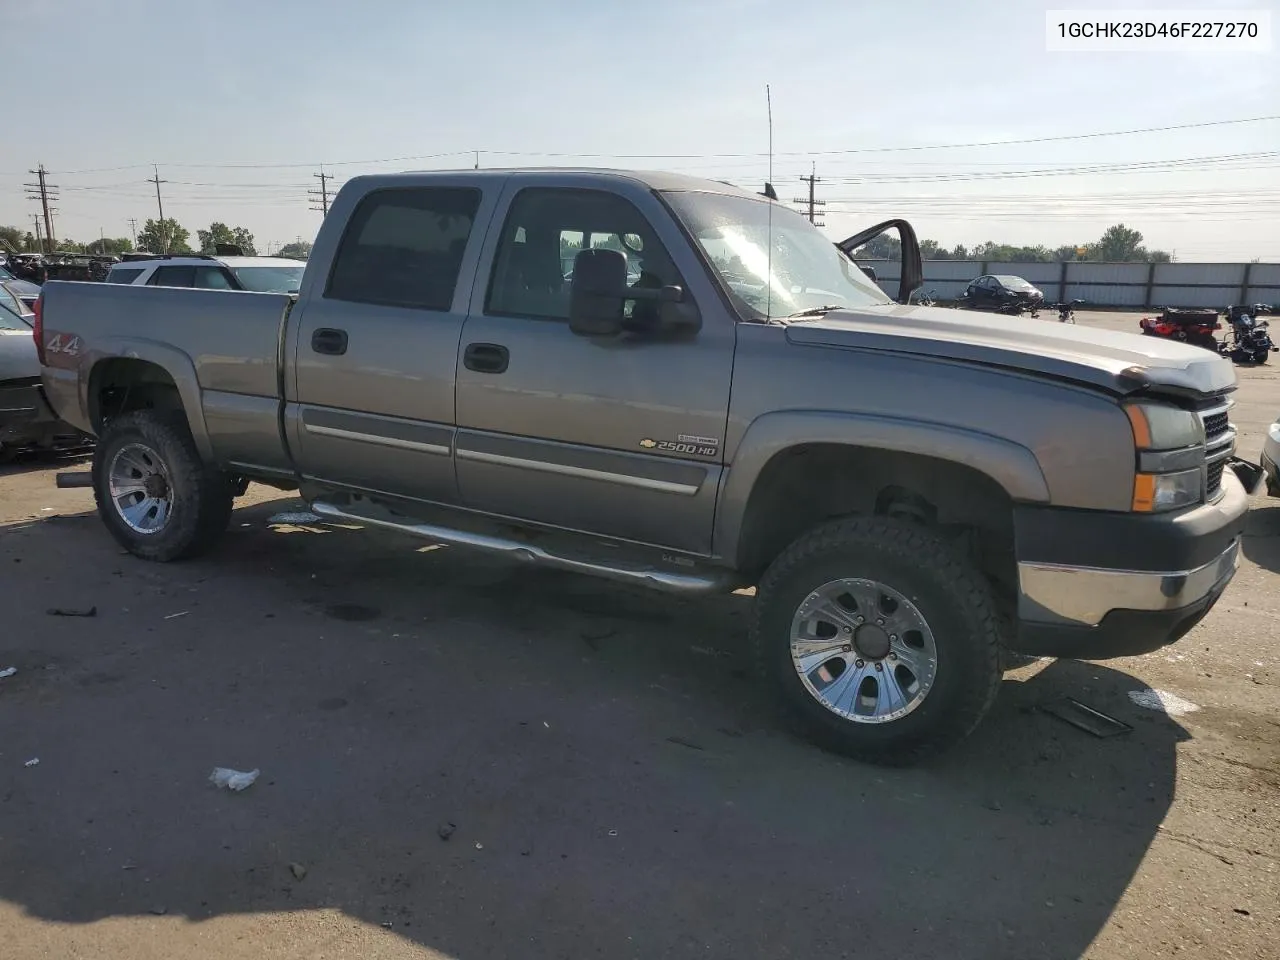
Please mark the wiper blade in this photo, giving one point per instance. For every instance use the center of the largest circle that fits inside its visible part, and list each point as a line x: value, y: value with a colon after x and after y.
x: 814, y: 311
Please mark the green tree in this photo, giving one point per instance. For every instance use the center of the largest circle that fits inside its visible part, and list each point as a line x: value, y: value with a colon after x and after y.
x: 1119, y: 244
x: 220, y: 233
x: 109, y: 246
x: 164, y: 236
x: 299, y: 250
x: 13, y: 239
x: 883, y: 247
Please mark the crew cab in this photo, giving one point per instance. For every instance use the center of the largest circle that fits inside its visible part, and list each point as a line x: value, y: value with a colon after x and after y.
x: 717, y: 397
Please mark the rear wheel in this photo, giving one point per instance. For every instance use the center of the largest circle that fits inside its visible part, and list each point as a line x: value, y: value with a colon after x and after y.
x: 154, y: 493
x: 879, y: 639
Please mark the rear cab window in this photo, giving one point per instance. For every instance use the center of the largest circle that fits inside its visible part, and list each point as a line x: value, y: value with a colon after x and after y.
x: 172, y: 276
x: 404, y: 247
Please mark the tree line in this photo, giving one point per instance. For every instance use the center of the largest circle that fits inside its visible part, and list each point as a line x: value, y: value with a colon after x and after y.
x: 155, y: 236
x: 1119, y: 244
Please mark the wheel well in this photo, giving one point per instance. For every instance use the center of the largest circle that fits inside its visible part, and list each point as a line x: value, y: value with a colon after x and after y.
x: 806, y: 485
x: 123, y: 385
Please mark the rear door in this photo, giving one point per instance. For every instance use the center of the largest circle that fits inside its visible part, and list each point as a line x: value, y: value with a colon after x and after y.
x: 376, y: 342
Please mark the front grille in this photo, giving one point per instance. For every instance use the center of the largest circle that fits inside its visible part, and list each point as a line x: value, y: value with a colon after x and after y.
x: 1215, y: 425
x: 1219, y: 444
x: 1213, y: 480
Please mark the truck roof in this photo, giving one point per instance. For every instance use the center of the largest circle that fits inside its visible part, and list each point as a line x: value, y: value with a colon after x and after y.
x: 653, y: 179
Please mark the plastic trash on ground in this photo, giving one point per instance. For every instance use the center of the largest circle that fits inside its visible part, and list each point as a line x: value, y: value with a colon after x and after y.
x: 8, y: 672
x: 236, y: 780
x: 295, y: 519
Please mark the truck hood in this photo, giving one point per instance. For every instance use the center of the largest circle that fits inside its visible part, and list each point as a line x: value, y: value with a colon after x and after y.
x: 1121, y: 363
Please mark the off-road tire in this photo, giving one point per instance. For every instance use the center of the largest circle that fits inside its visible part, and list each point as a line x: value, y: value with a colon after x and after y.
x: 201, y: 496
x: 955, y: 600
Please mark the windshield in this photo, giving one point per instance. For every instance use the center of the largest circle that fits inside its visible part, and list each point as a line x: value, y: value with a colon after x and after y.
x: 270, y: 279
x: 805, y: 271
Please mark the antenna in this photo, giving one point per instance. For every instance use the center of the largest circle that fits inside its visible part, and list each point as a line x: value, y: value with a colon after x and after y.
x: 768, y: 189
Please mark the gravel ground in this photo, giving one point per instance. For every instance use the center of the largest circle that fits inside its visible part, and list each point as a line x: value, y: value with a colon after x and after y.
x: 465, y: 759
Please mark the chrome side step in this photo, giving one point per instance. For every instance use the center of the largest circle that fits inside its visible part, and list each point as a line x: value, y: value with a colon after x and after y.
x: 639, y: 574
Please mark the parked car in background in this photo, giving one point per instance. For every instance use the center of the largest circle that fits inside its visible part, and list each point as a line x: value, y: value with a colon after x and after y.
x: 25, y: 290
x: 26, y: 419
x: 206, y: 272
x: 1001, y: 293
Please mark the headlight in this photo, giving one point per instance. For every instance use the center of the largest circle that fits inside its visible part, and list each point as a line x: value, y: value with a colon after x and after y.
x: 1169, y: 471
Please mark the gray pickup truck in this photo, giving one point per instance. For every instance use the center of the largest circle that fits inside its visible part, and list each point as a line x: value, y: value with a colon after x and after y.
x: 676, y: 383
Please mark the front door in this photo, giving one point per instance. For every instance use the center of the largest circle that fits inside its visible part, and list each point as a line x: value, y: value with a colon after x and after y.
x: 622, y: 437
x: 376, y: 344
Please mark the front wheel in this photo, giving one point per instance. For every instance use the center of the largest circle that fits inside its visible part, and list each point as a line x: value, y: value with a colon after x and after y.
x: 879, y: 639
x: 154, y: 493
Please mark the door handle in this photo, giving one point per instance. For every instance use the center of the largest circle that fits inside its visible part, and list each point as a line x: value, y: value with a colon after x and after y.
x: 486, y: 358
x: 330, y: 341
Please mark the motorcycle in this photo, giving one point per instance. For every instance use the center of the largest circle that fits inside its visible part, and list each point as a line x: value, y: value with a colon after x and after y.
x: 1250, y: 339
x: 1196, y: 327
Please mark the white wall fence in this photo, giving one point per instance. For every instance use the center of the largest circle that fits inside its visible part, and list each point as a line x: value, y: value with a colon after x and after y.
x: 1143, y: 285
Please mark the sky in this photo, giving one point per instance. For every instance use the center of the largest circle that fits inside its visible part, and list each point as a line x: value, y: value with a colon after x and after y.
x: 239, y: 104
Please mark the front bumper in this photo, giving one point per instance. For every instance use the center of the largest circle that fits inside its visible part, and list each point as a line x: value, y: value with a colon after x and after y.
x: 1113, y: 585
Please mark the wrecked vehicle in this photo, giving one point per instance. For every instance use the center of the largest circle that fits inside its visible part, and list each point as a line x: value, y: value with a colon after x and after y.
x: 716, y: 397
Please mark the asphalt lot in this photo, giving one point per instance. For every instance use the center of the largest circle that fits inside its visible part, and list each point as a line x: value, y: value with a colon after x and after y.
x: 607, y: 778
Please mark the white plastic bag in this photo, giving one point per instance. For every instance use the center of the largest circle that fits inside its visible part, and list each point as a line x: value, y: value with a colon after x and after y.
x: 233, y: 779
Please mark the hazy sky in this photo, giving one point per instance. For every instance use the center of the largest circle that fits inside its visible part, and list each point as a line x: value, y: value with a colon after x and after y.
x: 239, y: 103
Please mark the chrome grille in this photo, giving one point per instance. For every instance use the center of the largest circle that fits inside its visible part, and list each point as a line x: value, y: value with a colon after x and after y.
x: 1219, y: 444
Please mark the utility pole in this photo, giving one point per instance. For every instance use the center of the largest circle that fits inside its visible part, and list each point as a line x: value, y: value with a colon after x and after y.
x: 164, y: 228
x: 35, y: 218
x: 477, y: 160
x: 322, y: 194
x: 133, y: 228
x: 40, y: 190
x: 812, y: 180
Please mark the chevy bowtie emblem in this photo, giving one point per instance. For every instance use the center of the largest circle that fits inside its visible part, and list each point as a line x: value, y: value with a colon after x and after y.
x: 648, y: 444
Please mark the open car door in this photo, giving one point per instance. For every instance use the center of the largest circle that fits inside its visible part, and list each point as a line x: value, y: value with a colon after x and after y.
x: 912, y: 275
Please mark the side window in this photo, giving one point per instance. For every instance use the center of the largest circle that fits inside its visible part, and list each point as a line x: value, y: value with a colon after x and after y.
x: 173, y: 277
x: 404, y: 247
x: 213, y: 278
x: 545, y: 229
x: 124, y: 276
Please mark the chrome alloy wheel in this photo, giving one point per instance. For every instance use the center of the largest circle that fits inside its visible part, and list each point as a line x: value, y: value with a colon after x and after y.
x: 141, y: 492
x: 863, y: 650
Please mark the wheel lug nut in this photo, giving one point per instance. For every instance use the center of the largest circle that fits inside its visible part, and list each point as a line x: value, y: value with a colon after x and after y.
x: 859, y: 619
x: 859, y: 663
x: 847, y: 629
x: 880, y: 668
x: 893, y: 637
x: 893, y: 656
x: 880, y: 621
x: 847, y: 648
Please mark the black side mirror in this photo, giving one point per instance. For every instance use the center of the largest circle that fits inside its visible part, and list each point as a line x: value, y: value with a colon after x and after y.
x: 599, y: 292
x: 596, y: 293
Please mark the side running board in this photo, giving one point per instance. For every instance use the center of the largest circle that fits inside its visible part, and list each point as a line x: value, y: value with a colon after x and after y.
x: 638, y: 574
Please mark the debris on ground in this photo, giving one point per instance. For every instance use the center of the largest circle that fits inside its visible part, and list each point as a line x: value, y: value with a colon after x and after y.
x: 34, y: 761
x: 1086, y: 718
x: 233, y: 779
x: 295, y: 519
x: 174, y: 616
x: 681, y: 741
x: 298, y: 871
x: 72, y: 611
x: 8, y: 672
x: 1162, y: 701
x: 159, y: 911
x: 445, y: 830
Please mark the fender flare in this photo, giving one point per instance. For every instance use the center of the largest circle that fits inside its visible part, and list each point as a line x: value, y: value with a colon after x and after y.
x: 173, y: 361
x: 1010, y: 465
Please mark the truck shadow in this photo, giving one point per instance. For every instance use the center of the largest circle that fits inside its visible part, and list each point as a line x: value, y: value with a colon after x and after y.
x: 1261, y: 540
x: 503, y: 761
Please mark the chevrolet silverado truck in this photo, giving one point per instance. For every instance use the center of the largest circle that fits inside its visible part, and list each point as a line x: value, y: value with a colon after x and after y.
x: 715, y: 398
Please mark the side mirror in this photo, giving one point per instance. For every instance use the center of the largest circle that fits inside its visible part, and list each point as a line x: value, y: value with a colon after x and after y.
x: 911, y: 277
x: 595, y: 294
x: 598, y: 294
